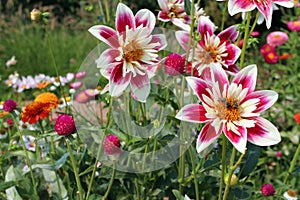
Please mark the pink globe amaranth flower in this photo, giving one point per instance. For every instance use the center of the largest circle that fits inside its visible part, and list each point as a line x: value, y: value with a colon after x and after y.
x: 216, y: 49
x: 271, y: 57
x: 264, y: 6
x: 255, y: 34
x: 10, y: 123
x: 76, y: 85
x: 174, y: 64
x: 9, y: 105
x: 277, y: 38
x: 111, y: 145
x: 294, y: 25
x: 65, y: 125
x: 267, y: 190
x: 267, y: 48
x: 80, y: 75
x: 232, y: 108
x: 133, y: 57
x: 278, y: 154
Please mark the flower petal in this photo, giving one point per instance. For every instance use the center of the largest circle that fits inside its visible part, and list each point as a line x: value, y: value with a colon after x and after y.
x: 199, y: 87
x: 163, y: 4
x: 145, y: 18
x: 192, y: 113
x: 107, y: 59
x: 233, y: 53
x: 124, y: 17
x: 264, y: 133
x: 140, y: 86
x: 118, y: 83
x: 207, y: 136
x: 247, y: 78
x: 237, y: 6
x: 266, y: 10
x: 205, y: 25
x: 219, y: 75
x: 229, y: 33
x: 238, y: 141
x: 105, y: 34
x: 161, y: 40
x: 183, y: 39
x: 284, y: 3
x: 162, y: 16
x: 266, y: 99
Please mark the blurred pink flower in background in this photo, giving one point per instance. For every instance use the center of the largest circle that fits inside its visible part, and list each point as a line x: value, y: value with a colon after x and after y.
x: 11, y: 61
x: 277, y: 38
x: 294, y: 25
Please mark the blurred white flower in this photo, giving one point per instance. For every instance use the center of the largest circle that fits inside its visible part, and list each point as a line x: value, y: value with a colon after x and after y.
x: 11, y: 61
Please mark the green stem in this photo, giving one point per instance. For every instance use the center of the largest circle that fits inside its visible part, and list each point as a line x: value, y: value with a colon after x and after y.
x: 181, y: 169
x: 194, y: 175
x: 75, y: 169
x: 223, y: 165
x: 292, y: 166
x: 246, y: 36
x: 231, y: 170
x: 94, y: 171
x: 224, y: 13
x: 27, y: 160
x: 110, y: 183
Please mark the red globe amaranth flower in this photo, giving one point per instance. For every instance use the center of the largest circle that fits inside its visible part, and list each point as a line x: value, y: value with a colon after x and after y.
x: 297, y: 118
x: 174, y: 64
x: 271, y: 57
x: 278, y: 154
x: 267, y: 190
x: 267, y: 48
x: 10, y: 123
x: 9, y: 105
x: 111, y: 145
x: 65, y: 125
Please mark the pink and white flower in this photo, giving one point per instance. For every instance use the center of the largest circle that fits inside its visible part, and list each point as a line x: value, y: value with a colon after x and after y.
x: 277, y: 38
x: 265, y: 7
x: 132, y: 58
x: 212, y: 48
x: 172, y: 10
x: 232, y: 108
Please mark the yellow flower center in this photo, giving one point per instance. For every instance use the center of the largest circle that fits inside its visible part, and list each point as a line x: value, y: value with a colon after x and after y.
x: 132, y: 52
x: 271, y: 55
x: 228, y: 109
x: 296, y: 23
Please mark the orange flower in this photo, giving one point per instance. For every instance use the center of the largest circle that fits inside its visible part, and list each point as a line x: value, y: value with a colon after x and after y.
x: 285, y: 55
x: 43, y: 84
x: 2, y: 114
x: 297, y: 118
x: 35, y: 111
x: 48, y: 97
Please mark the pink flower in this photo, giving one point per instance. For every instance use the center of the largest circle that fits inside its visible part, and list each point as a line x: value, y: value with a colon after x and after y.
x: 294, y: 25
x: 82, y: 97
x: 174, y: 64
x: 171, y: 9
x: 9, y: 105
x: 133, y: 56
x: 232, y: 108
x: 80, y: 75
x: 11, y: 61
x: 267, y: 190
x: 271, y: 57
x: 76, y: 85
x: 277, y: 38
x: 216, y: 49
x: 264, y: 6
x: 65, y: 125
x: 255, y: 34
x: 111, y: 145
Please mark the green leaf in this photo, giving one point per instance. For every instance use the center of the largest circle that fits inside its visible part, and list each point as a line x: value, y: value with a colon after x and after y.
x: 50, y: 178
x: 6, y: 185
x: 250, y: 160
x: 187, y: 6
x: 60, y: 162
x: 11, y: 192
x: 178, y: 195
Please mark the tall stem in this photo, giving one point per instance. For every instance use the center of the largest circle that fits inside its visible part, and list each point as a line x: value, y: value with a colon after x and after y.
x: 27, y: 160
x: 110, y: 183
x: 223, y: 165
x: 246, y: 36
x: 194, y: 175
x: 293, y: 163
x: 75, y: 169
x: 224, y: 13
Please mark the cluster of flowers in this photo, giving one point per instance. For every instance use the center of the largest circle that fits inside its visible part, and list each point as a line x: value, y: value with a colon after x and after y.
x: 269, y: 50
x: 233, y: 108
